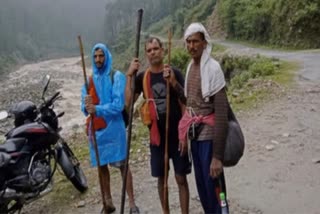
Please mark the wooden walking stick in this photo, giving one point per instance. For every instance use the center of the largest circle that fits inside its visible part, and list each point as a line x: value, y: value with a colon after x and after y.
x: 92, y: 131
x: 166, y: 155
x: 124, y: 183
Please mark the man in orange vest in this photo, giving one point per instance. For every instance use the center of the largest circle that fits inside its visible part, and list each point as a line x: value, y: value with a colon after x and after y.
x: 106, y: 101
x: 153, y: 83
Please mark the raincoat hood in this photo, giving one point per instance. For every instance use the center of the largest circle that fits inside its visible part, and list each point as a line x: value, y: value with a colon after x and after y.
x: 106, y: 68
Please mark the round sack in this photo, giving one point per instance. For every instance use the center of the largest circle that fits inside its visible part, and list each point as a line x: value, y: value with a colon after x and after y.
x: 234, y: 145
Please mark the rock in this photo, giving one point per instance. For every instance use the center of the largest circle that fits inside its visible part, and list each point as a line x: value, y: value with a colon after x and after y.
x: 312, y: 91
x: 285, y: 135
x: 302, y: 130
x: 75, y: 127
x: 139, y: 151
x: 316, y: 160
x: 270, y: 147
x: 235, y: 94
x: 131, y: 150
x: 195, y: 198
x: 2, y: 139
x: 140, y: 159
x: 81, y: 204
x: 145, y: 142
x: 274, y: 142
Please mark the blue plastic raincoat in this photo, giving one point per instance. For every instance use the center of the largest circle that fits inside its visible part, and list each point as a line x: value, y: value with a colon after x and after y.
x: 111, y: 140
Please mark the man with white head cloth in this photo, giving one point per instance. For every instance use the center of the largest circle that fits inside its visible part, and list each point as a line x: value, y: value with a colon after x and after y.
x: 205, y: 120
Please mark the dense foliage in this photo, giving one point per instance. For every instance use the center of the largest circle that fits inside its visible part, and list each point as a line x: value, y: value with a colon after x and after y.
x: 275, y: 22
x: 158, y: 17
x: 240, y: 69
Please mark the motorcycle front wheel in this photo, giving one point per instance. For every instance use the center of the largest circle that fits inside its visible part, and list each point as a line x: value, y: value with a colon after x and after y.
x: 71, y: 167
x: 79, y: 180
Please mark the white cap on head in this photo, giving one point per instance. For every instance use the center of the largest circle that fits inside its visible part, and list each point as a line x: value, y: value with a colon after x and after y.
x: 197, y: 27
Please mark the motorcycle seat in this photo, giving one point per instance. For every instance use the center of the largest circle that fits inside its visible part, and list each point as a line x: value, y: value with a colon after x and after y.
x: 12, y: 145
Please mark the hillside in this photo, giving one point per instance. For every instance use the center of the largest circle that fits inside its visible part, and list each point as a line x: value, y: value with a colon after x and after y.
x: 283, y: 23
x: 276, y: 23
x: 40, y: 29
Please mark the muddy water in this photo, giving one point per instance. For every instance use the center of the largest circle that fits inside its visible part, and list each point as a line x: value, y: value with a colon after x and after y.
x: 25, y: 84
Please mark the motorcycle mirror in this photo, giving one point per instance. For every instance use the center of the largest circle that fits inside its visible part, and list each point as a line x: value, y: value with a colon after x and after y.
x: 45, y: 83
x: 3, y: 115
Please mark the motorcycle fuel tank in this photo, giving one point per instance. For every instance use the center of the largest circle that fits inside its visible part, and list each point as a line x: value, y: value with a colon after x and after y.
x: 36, y: 134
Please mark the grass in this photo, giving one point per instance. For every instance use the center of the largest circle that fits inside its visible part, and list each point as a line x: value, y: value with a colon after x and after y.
x: 254, y: 44
x: 139, y: 141
x: 65, y: 195
x: 260, y: 90
x: 218, y: 48
x: 286, y: 73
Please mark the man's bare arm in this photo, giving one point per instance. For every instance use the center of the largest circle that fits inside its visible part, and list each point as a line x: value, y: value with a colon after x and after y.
x: 133, y: 68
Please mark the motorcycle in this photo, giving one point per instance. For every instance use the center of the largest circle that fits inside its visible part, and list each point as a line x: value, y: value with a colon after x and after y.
x: 31, y: 152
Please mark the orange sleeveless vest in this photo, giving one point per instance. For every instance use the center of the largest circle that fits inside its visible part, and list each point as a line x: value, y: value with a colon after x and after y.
x: 98, y: 122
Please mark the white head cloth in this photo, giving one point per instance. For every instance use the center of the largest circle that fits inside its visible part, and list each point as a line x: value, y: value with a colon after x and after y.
x: 212, y: 77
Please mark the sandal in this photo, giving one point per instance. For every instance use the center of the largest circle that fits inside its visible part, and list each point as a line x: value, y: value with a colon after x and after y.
x: 134, y: 210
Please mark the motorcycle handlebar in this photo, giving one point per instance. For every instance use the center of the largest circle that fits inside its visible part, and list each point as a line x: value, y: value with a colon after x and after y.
x: 60, y: 114
x: 50, y: 101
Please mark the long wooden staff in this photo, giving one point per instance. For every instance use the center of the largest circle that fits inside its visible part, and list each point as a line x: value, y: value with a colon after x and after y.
x: 92, y: 132
x: 124, y: 183
x: 166, y: 156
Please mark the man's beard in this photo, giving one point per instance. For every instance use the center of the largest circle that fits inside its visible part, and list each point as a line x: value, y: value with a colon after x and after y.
x: 99, y: 65
x: 156, y: 61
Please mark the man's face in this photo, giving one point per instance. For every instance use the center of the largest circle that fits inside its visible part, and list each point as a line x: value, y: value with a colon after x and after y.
x: 195, y: 45
x: 154, y: 53
x: 99, y: 58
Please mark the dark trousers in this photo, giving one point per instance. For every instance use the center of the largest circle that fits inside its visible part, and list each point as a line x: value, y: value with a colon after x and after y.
x: 208, y: 188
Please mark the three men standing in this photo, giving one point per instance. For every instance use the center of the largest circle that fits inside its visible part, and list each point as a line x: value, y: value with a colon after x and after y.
x: 206, y: 106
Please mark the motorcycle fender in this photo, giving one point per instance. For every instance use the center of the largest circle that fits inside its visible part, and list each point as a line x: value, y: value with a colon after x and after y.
x: 64, y: 162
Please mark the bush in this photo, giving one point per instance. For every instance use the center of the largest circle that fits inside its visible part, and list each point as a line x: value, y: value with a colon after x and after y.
x: 180, y: 59
x: 264, y: 67
x: 276, y: 22
x: 239, y: 70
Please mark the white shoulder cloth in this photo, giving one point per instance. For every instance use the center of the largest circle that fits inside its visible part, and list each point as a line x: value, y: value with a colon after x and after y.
x: 212, y: 77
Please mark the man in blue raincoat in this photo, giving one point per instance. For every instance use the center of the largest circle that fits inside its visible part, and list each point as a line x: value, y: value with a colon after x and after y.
x: 106, y: 101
